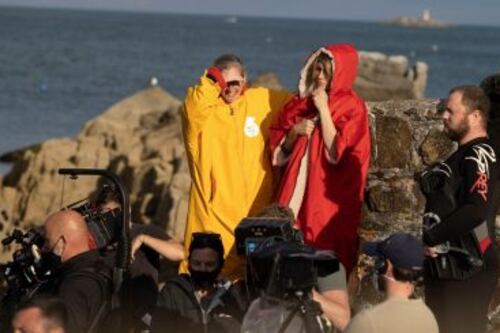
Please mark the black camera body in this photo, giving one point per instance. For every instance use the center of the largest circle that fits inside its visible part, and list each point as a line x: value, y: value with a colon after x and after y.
x: 104, y: 226
x: 27, y: 267
x: 252, y: 231
x: 277, y: 260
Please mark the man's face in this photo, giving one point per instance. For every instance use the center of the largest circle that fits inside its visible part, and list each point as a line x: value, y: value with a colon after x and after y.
x: 30, y: 321
x: 204, y: 260
x: 235, y: 82
x: 456, y: 118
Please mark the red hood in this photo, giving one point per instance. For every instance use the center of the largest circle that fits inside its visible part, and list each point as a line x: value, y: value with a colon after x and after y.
x: 344, y: 64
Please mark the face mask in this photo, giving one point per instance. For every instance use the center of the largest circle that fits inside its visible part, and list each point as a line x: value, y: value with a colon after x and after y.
x: 51, y: 259
x: 203, y: 279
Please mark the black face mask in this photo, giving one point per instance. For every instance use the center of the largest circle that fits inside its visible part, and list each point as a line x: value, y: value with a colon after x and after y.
x: 203, y: 279
x: 50, y: 261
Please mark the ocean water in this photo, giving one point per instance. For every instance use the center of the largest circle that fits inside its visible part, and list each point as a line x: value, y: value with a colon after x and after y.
x: 59, y: 68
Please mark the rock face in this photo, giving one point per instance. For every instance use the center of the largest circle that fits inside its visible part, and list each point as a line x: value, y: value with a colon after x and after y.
x: 382, y: 77
x: 140, y: 139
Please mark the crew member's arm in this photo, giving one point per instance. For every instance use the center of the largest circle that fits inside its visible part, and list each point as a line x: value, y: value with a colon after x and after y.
x: 156, y: 239
x: 331, y: 294
x: 474, y: 210
x: 170, y: 249
x: 335, y: 306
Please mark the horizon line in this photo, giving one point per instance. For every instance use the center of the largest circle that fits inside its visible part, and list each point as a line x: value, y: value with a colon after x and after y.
x: 166, y: 12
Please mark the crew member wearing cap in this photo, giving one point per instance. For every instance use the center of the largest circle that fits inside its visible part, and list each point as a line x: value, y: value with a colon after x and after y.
x: 401, y: 258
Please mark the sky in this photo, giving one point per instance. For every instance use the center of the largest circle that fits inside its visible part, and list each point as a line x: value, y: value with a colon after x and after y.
x: 479, y: 12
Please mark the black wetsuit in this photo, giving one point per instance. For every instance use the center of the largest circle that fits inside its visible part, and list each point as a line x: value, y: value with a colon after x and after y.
x: 461, y: 305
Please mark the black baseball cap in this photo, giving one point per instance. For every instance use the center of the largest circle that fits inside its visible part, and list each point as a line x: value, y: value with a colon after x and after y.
x: 402, y: 249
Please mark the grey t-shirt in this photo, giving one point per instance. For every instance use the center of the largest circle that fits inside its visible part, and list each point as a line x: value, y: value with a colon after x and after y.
x: 395, y: 315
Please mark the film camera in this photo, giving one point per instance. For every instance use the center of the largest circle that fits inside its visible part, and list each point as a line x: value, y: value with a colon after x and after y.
x: 278, y: 262
x: 103, y: 224
x: 284, y: 271
x: 28, y: 266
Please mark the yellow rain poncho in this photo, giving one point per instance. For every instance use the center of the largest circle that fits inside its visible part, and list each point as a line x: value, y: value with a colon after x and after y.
x: 228, y: 161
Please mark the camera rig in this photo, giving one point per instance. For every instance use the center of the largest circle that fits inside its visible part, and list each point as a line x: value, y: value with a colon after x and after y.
x: 123, y: 245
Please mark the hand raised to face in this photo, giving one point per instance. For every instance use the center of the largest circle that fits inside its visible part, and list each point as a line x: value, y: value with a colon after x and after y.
x: 320, y: 99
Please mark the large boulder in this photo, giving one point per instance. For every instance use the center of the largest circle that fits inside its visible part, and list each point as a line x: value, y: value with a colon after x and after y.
x: 382, y: 77
x: 138, y: 138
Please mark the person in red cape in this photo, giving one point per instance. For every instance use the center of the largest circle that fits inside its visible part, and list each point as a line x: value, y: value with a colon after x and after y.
x: 322, y: 141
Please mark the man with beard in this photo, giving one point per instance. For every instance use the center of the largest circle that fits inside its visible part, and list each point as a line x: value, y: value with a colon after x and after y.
x: 198, y: 301
x: 458, y: 231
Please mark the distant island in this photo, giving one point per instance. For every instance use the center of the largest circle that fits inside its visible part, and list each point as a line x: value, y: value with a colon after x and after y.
x: 423, y: 21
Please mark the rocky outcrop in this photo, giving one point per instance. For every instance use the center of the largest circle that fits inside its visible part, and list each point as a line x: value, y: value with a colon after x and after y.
x: 139, y: 138
x: 382, y: 77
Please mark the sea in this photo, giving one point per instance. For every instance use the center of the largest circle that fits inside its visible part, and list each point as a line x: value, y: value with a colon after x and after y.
x: 60, y: 68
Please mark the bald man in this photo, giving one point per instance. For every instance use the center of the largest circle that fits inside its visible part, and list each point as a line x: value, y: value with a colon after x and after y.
x: 81, y: 279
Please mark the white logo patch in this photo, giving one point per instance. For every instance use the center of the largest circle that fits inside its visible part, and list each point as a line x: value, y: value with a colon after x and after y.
x: 251, y: 128
x: 484, y: 153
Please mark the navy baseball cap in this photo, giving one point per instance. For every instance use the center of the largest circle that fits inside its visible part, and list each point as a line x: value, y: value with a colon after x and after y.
x: 403, y: 250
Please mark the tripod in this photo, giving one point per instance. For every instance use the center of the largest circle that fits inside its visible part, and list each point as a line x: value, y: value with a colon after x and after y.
x: 309, y: 311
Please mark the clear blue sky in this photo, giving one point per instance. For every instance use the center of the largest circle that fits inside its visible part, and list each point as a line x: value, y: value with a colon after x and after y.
x: 483, y: 12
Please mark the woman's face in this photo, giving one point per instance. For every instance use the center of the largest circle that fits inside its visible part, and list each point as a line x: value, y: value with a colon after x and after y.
x: 235, y: 82
x: 321, y: 75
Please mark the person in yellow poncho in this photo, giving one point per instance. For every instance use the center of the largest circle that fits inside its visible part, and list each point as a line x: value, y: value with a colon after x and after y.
x: 225, y: 127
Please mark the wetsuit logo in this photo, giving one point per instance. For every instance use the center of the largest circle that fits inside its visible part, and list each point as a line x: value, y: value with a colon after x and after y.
x: 251, y: 129
x: 484, y: 155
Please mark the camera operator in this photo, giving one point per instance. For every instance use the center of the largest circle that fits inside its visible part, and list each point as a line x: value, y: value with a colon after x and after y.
x: 461, y: 264
x: 40, y: 315
x: 399, y: 261
x: 81, y: 279
x: 140, y: 290
x: 198, y: 301
x: 331, y: 290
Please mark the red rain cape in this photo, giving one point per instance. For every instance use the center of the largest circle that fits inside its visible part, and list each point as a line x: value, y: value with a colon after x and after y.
x: 330, y: 211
